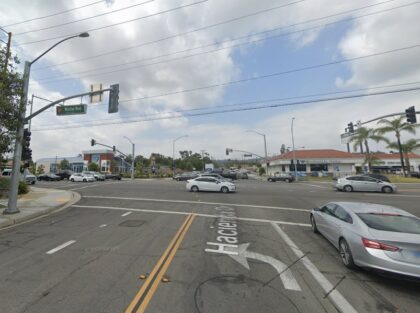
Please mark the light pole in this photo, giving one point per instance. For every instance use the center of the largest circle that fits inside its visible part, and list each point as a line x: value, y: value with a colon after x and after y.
x: 265, y: 148
x: 294, y: 154
x: 132, y: 159
x: 173, y: 153
x: 14, y: 182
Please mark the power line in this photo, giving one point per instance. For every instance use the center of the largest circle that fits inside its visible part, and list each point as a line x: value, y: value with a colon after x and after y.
x: 226, y: 22
x: 54, y: 14
x: 242, y: 109
x: 116, y: 24
x: 52, y: 79
x: 311, y: 67
x: 83, y: 19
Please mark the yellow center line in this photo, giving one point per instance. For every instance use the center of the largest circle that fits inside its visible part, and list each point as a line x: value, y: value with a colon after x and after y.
x: 146, y: 292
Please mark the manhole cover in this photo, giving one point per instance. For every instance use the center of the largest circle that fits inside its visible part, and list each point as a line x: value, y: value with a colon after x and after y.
x: 132, y: 223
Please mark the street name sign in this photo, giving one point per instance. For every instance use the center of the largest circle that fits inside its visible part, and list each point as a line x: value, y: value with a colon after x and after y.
x: 71, y: 109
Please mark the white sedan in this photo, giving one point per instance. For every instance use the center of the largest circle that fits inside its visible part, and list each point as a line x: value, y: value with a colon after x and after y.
x: 82, y: 177
x: 210, y: 184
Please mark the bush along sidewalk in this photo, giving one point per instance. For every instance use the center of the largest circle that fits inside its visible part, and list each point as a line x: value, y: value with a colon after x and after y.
x: 5, y: 184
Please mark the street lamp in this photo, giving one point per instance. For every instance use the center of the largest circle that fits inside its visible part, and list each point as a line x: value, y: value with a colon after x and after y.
x: 294, y: 154
x: 132, y: 159
x: 173, y: 153
x: 265, y: 148
x: 12, y: 204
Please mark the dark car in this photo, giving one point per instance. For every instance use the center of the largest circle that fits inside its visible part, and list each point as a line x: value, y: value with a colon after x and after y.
x: 49, y: 177
x: 113, y: 176
x: 65, y: 174
x: 378, y: 177
x: 415, y: 174
x: 282, y: 177
x: 229, y: 174
x: 185, y: 176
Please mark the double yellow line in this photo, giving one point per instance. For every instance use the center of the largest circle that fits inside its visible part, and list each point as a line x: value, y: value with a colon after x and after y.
x: 146, y: 292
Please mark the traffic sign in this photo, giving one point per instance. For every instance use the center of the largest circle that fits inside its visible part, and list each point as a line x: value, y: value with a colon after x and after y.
x: 71, y: 109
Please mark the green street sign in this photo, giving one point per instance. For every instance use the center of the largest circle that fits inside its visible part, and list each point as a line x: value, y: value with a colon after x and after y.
x: 71, y: 109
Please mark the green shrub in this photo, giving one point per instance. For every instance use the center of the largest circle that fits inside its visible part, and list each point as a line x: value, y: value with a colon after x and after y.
x: 23, y: 188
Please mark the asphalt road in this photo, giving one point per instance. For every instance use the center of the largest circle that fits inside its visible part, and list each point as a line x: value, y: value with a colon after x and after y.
x: 151, y: 246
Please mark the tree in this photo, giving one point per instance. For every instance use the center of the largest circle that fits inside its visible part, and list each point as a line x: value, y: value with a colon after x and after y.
x: 361, y: 137
x: 40, y: 169
x: 407, y: 147
x: 397, y: 126
x: 10, y: 94
x: 93, y: 167
x: 64, y: 164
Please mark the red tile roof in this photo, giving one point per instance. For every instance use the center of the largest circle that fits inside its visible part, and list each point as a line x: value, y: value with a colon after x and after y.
x: 335, y: 154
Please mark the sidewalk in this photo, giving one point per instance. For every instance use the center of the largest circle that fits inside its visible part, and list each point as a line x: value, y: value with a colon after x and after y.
x: 37, y: 202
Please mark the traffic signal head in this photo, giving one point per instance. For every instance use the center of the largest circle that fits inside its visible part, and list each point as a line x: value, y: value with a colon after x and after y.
x: 410, y: 113
x: 92, y: 142
x: 113, y: 98
x: 350, y: 127
x: 227, y: 151
x: 113, y: 148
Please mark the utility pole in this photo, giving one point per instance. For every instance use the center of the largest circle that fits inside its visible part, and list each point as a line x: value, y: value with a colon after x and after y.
x: 294, y: 154
x: 173, y: 153
x: 132, y: 159
x: 265, y: 149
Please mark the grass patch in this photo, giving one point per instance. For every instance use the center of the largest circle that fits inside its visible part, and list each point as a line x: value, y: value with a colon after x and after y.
x: 402, y: 179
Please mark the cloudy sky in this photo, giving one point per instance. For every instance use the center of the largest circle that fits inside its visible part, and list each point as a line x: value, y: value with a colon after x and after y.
x: 214, y: 69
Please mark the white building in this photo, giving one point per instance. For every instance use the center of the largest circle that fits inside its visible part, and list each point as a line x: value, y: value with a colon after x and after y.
x: 336, y: 163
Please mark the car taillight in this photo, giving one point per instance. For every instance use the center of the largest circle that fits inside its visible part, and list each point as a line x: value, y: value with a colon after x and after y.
x: 378, y: 245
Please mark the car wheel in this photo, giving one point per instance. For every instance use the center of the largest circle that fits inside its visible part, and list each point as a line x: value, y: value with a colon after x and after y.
x: 72, y: 179
x: 313, y: 225
x: 224, y: 189
x: 348, y: 188
x: 345, y: 254
x: 33, y: 183
x: 84, y: 180
x: 287, y: 180
x: 194, y: 188
x: 270, y: 180
x: 387, y: 189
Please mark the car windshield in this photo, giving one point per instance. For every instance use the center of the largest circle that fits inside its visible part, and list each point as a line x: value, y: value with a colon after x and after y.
x: 391, y: 222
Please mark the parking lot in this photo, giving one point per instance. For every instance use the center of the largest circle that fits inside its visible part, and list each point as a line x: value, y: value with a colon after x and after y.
x: 150, y: 245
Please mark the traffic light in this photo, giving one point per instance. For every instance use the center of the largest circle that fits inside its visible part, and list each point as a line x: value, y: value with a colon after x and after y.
x: 410, y: 113
x: 26, y: 151
x: 92, y: 142
x: 114, y: 149
x: 350, y: 127
x: 227, y: 151
x: 113, y: 98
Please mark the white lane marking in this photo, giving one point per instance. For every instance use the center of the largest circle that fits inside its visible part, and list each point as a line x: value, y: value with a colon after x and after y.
x: 187, y: 213
x: 94, y: 185
x: 341, y: 303
x: 199, y: 202
x: 322, y: 187
x: 391, y: 195
x: 103, y: 225
x: 286, y: 275
x: 68, y: 243
x: 126, y: 213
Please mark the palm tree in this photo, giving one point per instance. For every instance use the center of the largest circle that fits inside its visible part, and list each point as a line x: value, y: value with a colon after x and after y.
x: 361, y: 137
x: 407, y: 147
x: 397, y: 126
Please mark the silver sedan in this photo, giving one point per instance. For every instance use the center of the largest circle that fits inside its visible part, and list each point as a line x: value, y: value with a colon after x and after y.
x: 371, y: 235
x: 364, y: 183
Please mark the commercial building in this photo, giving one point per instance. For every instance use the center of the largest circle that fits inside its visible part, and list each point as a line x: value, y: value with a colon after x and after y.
x: 52, y: 165
x: 336, y: 163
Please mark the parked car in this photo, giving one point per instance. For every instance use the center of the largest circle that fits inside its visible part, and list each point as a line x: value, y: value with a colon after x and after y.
x: 363, y: 183
x: 415, y: 174
x: 288, y: 178
x: 113, y: 176
x: 30, y: 178
x: 371, y: 235
x: 229, y: 174
x: 64, y: 174
x: 242, y: 175
x: 210, y: 184
x: 378, y: 176
x: 97, y: 175
x: 49, y: 177
x: 6, y: 172
x: 83, y: 177
x: 214, y: 175
x: 185, y: 176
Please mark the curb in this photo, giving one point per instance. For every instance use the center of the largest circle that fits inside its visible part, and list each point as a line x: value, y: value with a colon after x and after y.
x: 75, y: 197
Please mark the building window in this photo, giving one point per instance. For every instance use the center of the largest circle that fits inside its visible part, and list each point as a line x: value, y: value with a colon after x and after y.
x: 96, y: 158
x: 105, y: 165
x: 300, y: 167
x: 283, y: 168
x: 319, y: 167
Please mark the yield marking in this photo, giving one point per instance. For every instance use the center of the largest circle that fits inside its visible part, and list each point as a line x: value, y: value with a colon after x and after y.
x: 335, y: 296
x: 68, y: 243
x: 126, y: 213
x: 285, y: 273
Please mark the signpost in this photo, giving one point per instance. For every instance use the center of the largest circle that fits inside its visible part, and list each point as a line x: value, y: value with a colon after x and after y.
x: 71, y: 109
